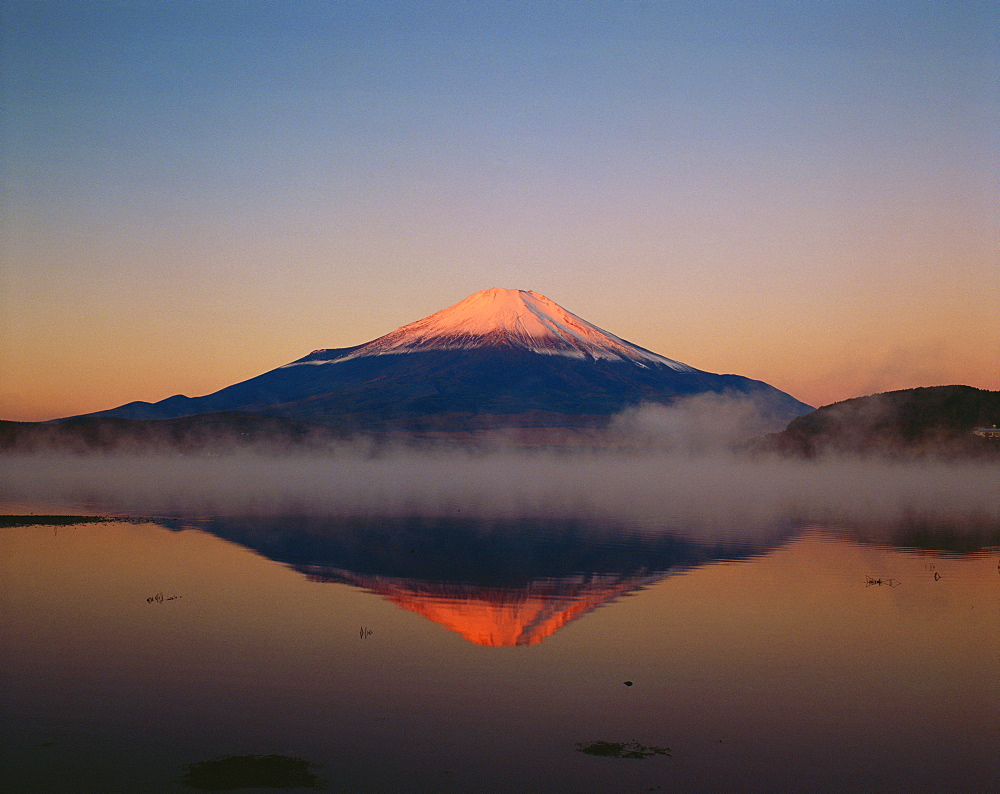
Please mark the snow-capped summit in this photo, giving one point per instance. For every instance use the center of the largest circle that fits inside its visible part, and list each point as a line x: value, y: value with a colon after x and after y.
x: 501, y: 358
x: 504, y: 318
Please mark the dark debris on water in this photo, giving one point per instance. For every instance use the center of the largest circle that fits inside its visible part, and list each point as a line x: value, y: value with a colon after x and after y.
x: 621, y: 749
x: 250, y: 771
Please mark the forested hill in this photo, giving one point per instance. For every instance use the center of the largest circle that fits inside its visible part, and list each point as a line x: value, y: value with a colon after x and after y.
x: 934, y: 421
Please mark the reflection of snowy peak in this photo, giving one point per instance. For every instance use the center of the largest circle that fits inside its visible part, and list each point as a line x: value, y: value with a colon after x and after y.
x: 504, y: 318
x: 497, y: 617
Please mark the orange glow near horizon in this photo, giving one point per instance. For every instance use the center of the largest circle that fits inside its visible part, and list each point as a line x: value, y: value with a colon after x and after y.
x: 82, y: 364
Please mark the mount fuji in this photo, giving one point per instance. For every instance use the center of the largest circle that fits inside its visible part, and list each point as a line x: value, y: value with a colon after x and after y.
x: 499, y: 358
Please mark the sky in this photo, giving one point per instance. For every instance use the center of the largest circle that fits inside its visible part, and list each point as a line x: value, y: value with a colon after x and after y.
x: 193, y: 193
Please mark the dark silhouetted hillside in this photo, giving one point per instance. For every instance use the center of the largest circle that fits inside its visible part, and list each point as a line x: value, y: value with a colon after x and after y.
x: 206, y: 431
x: 934, y: 421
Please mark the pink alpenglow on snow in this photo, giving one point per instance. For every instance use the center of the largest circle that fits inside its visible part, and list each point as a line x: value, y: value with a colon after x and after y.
x: 507, y: 318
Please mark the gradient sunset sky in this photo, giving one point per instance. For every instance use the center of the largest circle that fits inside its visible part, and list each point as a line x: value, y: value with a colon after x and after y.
x: 193, y: 193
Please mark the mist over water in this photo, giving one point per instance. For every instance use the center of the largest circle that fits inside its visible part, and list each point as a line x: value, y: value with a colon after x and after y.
x: 754, y: 614
x: 674, y: 467
x: 645, y: 489
x: 709, y: 422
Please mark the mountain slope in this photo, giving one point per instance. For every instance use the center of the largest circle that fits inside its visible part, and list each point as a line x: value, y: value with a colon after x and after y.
x: 498, y: 358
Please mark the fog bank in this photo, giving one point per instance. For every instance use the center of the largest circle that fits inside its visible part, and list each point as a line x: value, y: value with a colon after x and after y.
x: 647, y: 490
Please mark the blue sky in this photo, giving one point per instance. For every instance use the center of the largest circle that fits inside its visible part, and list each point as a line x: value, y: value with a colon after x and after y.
x: 195, y: 192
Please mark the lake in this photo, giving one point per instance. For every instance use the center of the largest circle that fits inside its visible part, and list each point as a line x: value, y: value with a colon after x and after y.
x: 504, y: 635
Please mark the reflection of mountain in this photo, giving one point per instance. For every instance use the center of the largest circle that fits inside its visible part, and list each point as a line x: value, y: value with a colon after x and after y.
x: 969, y: 535
x: 495, y: 616
x: 495, y: 582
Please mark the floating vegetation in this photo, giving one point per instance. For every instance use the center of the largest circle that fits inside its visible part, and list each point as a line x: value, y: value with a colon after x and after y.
x: 621, y: 749
x: 48, y: 521
x: 159, y: 598
x: 250, y: 771
x: 869, y: 582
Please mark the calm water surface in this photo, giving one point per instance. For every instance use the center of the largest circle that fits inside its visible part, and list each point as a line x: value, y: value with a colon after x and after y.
x: 446, y: 654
